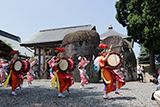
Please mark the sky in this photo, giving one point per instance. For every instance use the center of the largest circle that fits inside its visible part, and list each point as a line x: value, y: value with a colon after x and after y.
x: 24, y: 18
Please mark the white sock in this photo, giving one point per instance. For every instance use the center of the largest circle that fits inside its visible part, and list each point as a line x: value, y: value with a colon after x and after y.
x: 117, y: 90
x: 21, y: 85
x: 60, y: 93
x: 106, y: 95
x: 13, y: 92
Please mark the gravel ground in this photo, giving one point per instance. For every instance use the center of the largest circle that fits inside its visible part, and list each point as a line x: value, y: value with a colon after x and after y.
x: 40, y: 94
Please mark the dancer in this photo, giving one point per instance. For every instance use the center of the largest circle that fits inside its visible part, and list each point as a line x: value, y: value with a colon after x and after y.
x: 64, y: 80
x: 30, y: 74
x: 111, y: 80
x: 52, y: 71
x: 16, y: 79
x: 84, y: 77
x: 2, y: 70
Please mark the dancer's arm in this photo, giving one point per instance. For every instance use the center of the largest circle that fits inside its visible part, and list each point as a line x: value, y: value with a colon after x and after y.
x: 105, y: 58
x: 57, y: 63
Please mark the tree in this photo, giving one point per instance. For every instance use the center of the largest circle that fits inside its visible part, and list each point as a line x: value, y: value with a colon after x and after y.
x: 143, y: 56
x: 8, y: 44
x: 142, y: 19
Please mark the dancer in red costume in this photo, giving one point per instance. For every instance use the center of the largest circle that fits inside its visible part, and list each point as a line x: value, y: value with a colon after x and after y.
x: 16, y: 78
x: 64, y: 80
x: 112, y: 81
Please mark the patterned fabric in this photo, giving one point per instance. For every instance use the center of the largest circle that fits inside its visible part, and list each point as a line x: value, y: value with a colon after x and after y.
x: 20, y: 76
x: 50, y: 62
x: 2, y: 78
x: 52, y: 74
x: 30, y: 74
x: 83, y: 63
x: 52, y: 71
x: 84, y: 79
x: 2, y: 70
x: 83, y: 75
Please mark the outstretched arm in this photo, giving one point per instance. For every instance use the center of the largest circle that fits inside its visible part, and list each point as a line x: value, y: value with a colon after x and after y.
x: 105, y: 58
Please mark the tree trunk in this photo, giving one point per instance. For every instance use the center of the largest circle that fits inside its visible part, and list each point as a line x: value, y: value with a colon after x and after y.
x: 152, y: 63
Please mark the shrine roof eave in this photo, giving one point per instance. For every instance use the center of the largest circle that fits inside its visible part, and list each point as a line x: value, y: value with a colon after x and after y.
x: 42, y: 44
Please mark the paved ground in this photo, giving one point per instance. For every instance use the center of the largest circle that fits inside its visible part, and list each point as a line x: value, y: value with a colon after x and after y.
x: 135, y: 94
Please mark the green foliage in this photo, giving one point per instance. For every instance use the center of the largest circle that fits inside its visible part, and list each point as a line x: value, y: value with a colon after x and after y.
x: 142, y: 19
x: 8, y: 44
x: 144, y: 56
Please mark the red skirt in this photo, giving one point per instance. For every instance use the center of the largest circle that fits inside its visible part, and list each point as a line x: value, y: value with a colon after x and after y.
x: 66, y: 80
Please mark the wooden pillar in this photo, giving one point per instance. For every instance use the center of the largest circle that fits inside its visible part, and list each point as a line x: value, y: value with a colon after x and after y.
x: 39, y: 62
x: 44, y: 58
x: 35, y: 52
x: 52, y: 52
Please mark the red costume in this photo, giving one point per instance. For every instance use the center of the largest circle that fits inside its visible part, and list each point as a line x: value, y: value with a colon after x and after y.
x: 111, y: 79
x: 65, y: 79
x: 15, y: 78
x: 109, y: 75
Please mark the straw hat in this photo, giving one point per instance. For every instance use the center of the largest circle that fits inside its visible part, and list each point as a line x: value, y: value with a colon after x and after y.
x: 60, y: 49
x: 15, y: 52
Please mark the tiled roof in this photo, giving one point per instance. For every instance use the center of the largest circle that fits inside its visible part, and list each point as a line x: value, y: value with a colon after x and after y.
x: 111, y: 32
x: 53, y: 35
x: 15, y: 44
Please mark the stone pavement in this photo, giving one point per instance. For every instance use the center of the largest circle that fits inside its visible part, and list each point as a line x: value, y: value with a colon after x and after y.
x: 40, y: 94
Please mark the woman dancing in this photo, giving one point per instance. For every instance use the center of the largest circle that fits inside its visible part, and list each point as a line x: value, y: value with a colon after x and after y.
x: 112, y: 81
x: 84, y: 77
x: 64, y: 79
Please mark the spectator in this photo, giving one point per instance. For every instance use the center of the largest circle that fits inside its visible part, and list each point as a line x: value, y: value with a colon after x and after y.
x: 156, y: 94
x: 139, y: 72
x: 157, y: 97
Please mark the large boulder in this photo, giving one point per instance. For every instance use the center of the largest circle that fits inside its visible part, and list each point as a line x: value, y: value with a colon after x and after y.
x: 82, y: 43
